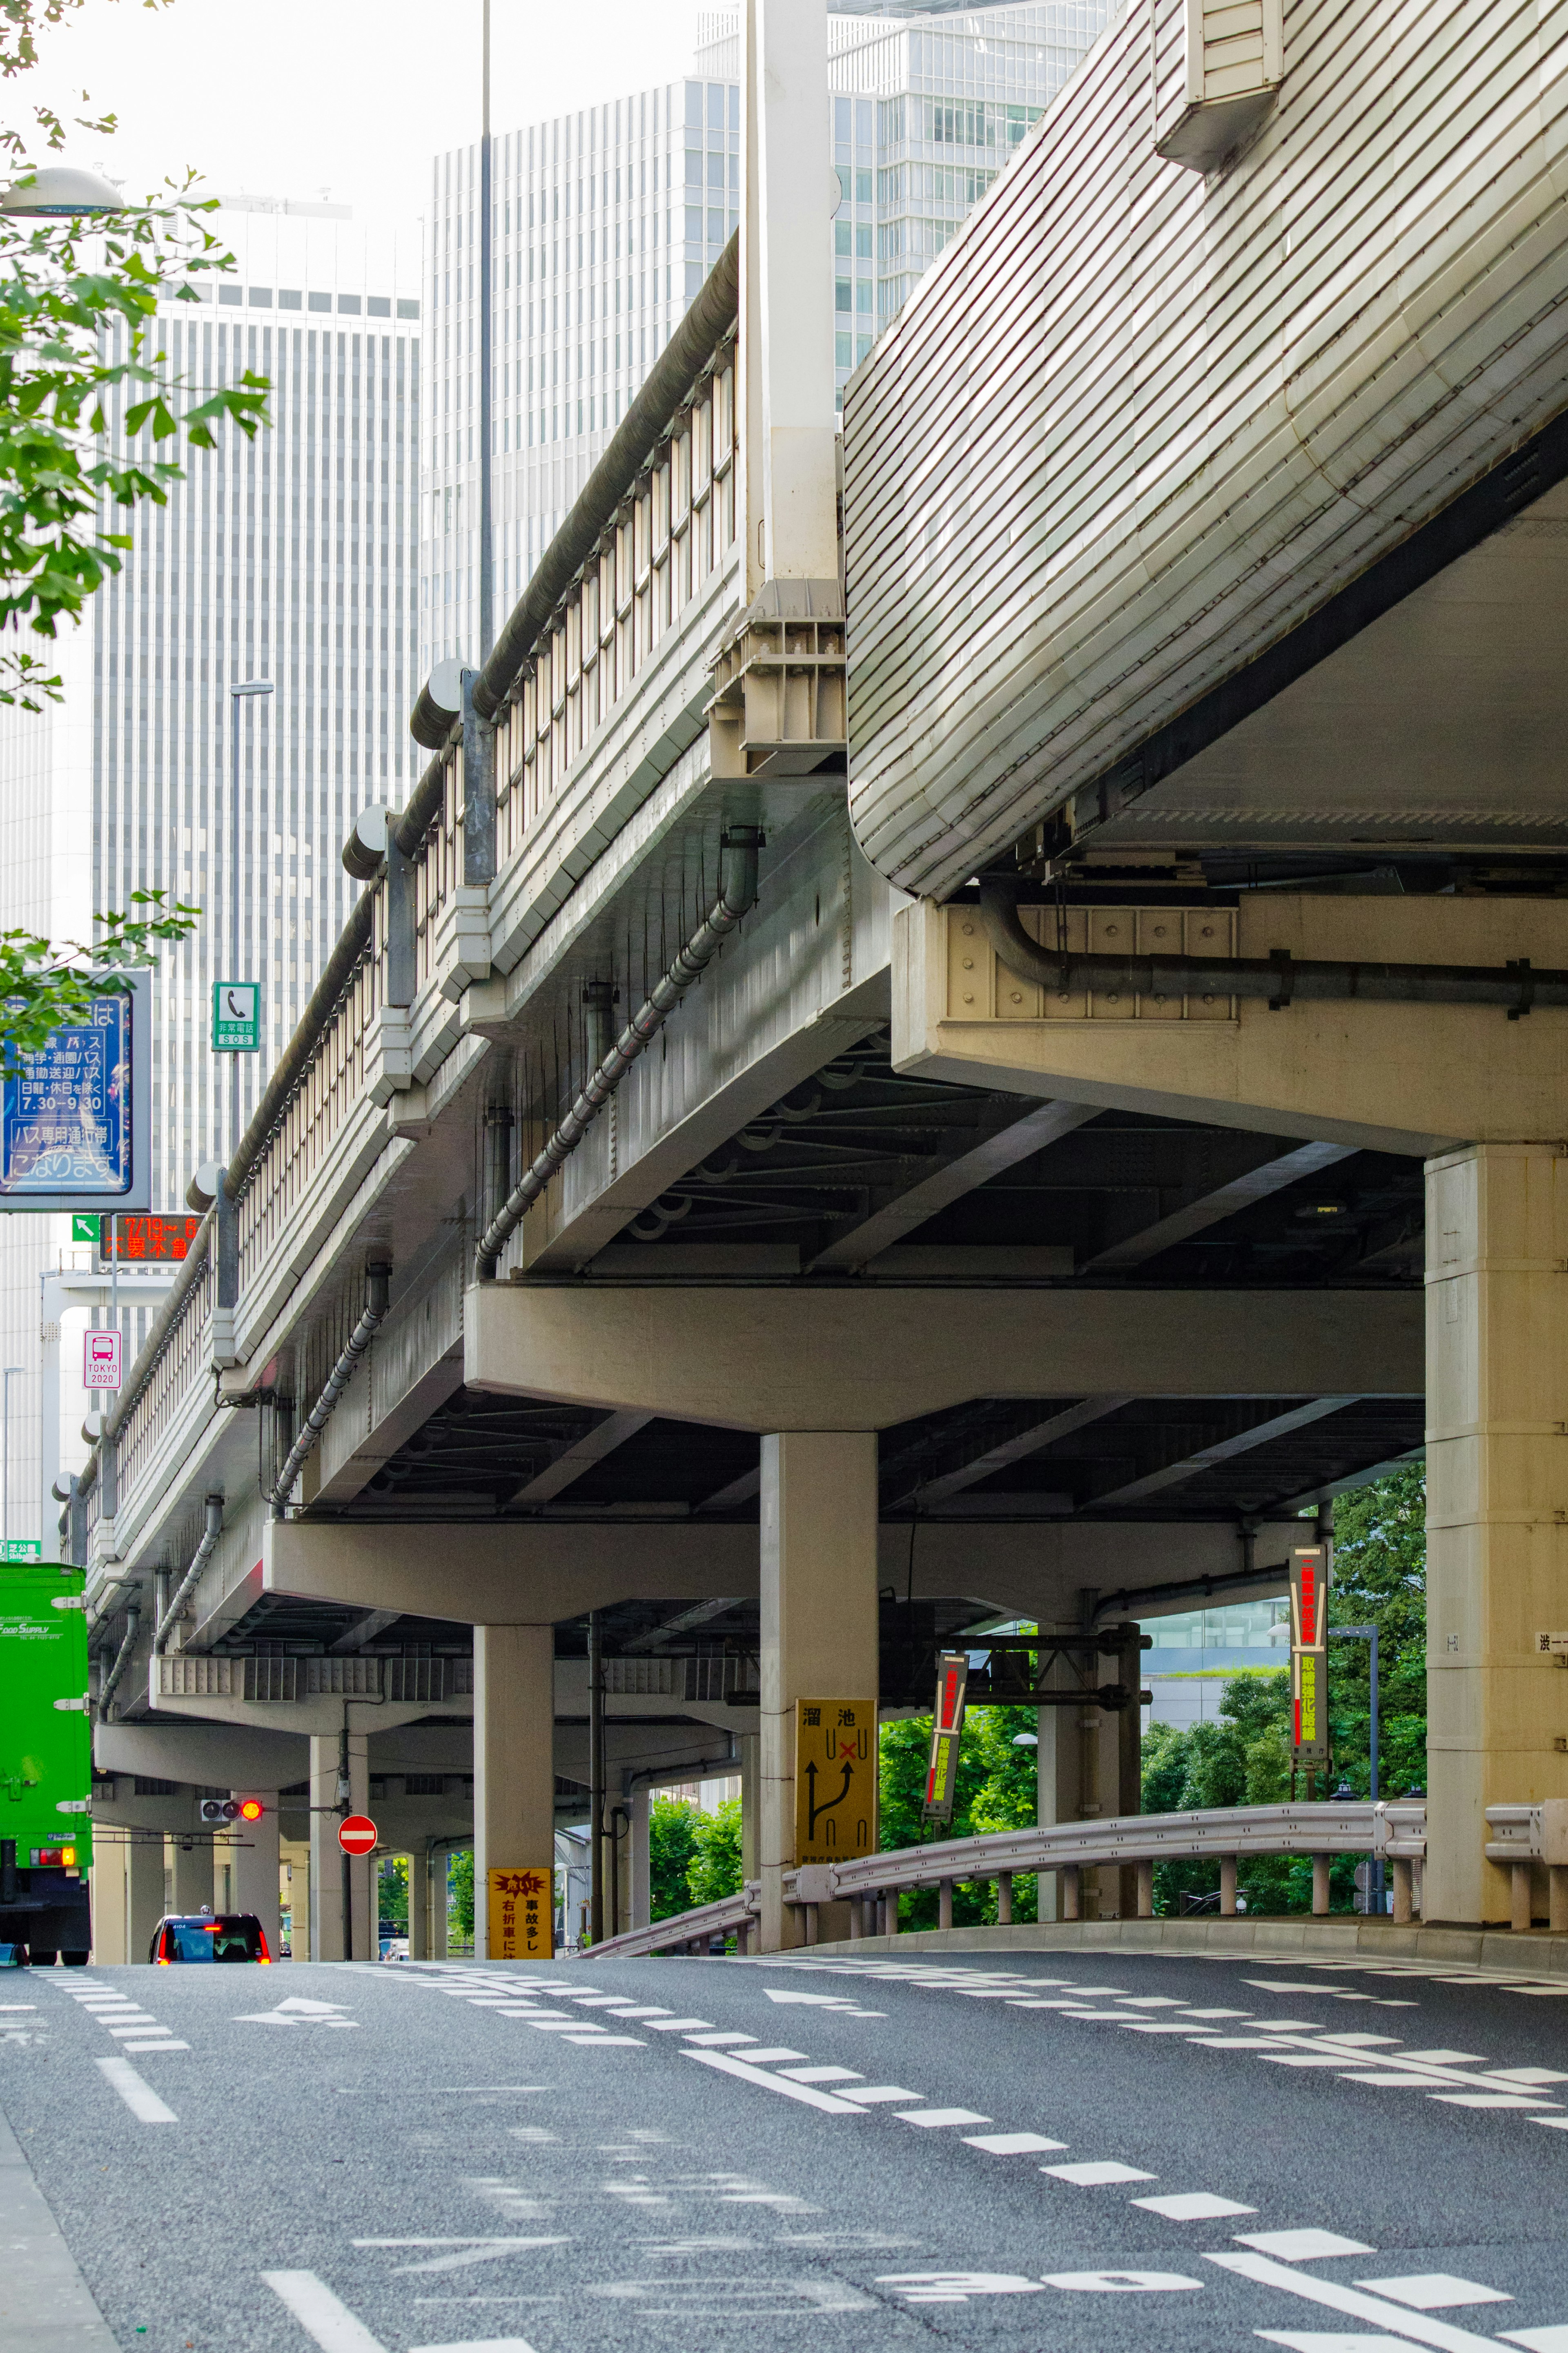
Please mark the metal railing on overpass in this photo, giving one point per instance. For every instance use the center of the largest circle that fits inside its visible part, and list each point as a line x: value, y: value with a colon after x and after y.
x: 1394, y: 1831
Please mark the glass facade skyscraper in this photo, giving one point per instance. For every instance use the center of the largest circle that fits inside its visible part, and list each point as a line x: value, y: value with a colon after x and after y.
x: 607, y: 219
x: 290, y: 559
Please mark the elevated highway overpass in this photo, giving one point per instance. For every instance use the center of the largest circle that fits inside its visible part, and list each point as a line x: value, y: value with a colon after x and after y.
x: 691, y: 1257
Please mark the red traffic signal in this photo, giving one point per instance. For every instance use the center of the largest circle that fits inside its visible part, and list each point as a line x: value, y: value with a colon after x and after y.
x: 232, y: 1809
x: 251, y: 1809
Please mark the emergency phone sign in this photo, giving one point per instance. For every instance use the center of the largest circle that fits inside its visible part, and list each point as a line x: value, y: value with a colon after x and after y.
x: 100, y: 1360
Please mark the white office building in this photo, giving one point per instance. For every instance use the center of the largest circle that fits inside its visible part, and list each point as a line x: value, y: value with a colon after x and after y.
x: 607, y: 221
x: 290, y: 559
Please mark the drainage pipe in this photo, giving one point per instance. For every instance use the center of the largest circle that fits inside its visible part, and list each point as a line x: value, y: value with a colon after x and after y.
x: 122, y: 1661
x: 737, y: 895
x: 187, y: 1584
x: 1281, y: 978
x: 377, y: 1287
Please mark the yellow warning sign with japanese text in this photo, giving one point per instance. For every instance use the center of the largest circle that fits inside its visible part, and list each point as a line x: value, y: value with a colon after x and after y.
x: 834, y: 1779
x: 521, y: 1915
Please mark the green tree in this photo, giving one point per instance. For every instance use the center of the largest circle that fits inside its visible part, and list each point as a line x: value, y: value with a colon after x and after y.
x: 46, y: 986
x: 460, y: 1894
x: 996, y: 1790
x: 392, y: 1894
x: 672, y: 1844
x: 714, y: 1871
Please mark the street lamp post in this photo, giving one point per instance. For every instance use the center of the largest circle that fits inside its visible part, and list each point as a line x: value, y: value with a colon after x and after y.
x: 236, y: 946
x: 6, y: 1378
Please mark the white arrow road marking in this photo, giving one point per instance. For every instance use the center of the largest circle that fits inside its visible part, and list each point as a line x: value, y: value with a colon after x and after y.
x: 462, y: 2252
x: 137, y: 2092
x: 297, y: 2012
x: 803, y: 2092
x: 1355, y: 2302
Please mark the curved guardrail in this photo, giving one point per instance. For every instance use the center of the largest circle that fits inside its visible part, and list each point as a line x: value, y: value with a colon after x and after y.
x: 1394, y: 1831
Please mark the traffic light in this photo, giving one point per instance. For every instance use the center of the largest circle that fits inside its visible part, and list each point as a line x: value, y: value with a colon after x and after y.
x: 232, y: 1809
x: 251, y: 1809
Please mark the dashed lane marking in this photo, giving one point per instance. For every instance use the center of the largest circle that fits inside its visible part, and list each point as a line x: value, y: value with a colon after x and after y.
x: 821, y: 2074
x: 1192, y: 2206
x: 942, y: 2116
x: 1093, y: 2174
x: 1011, y: 2143
x: 868, y: 2095
x: 774, y: 2051
x: 1434, y: 2291
x: 1304, y: 2246
x: 137, y: 2093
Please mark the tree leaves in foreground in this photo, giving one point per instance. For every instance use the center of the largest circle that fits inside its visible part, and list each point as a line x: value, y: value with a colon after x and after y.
x: 46, y: 986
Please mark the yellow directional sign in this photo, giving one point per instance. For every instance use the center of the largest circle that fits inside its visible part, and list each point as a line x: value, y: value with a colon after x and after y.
x: 834, y: 1779
x: 521, y: 1915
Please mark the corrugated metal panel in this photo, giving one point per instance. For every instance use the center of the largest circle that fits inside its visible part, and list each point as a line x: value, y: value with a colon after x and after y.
x: 1134, y: 424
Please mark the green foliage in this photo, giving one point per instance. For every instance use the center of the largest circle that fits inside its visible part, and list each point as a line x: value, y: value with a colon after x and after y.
x: 1242, y: 1757
x: 672, y: 1844
x: 460, y: 1894
x: 78, y: 313
x: 46, y: 986
x: 995, y: 1791
x: 714, y: 1871
x: 392, y: 1894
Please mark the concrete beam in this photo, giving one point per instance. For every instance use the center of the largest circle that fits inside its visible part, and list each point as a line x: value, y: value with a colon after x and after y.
x: 209, y: 1755
x: 848, y: 1358
x: 1211, y: 1208
x: 568, y: 1467
x: 1017, y: 1449
x: 1225, y: 1450
x: 896, y: 1220
x: 1412, y: 1079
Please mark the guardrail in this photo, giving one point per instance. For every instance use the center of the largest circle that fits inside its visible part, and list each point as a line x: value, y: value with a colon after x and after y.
x: 1523, y: 1837
x: 1394, y: 1831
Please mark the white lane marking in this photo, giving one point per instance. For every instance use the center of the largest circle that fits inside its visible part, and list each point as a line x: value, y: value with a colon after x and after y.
x: 167, y: 2043
x: 1526, y: 2074
x: 142, y: 2026
x: 942, y: 2116
x: 1538, y: 2340
x: 1192, y: 2206
x: 18, y: 2005
x: 644, y: 2013
x: 1013, y: 2143
x: 1119, y: 2283
x: 610, y: 2041
x: 1301, y: 2246
x: 488, y: 2344
x: 1153, y: 2002
x: 1155, y: 2026
x: 1467, y: 2059
x: 321, y: 2315
x: 1324, y: 2340
x: 714, y: 2041
x: 774, y: 2051
x: 460, y: 2253
x: 1354, y: 2301
x: 1219, y: 2013
x: 1434, y: 2291
x: 1552, y: 2124
x: 678, y: 2025
x: 1092, y: 2175
x: 138, y: 2095
x: 1317, y: 2059
x: 957, y: 2287
x: 1494, y: 2100
x: 822, y: 2074
x: 866, y: 2095
x: 750, y: 2075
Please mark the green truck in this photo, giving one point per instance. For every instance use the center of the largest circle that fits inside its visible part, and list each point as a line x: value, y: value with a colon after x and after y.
x: 45, y: 1765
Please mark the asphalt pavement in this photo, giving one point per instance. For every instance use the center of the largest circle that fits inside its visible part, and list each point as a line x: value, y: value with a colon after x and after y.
x: 1063, y: 2150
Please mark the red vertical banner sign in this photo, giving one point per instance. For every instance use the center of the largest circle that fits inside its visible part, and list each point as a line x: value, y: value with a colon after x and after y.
x: 1309, y: 1574
x: 946, y: 1729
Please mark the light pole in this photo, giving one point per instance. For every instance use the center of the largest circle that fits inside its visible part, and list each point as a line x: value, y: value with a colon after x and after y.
x: 487, y: 270
x: 6, y: 1379
x: 236, y: 947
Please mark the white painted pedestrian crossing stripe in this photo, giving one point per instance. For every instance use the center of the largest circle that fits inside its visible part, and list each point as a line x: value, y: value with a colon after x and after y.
x: 1192, y: 2206
x: 1434, y: 2291
x: 1096, y: 2174
x: 1301, y: 2246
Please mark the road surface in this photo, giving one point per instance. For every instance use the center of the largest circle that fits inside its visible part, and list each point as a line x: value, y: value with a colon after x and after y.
x: 1128, y: 2152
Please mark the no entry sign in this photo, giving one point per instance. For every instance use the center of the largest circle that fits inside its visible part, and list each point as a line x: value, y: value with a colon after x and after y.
x: 356, y: 1834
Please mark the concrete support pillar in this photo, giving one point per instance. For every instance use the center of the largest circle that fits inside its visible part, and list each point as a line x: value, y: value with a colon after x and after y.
x: 327, y: 1856
x: 296, y: 1872
x: 514, y: 1758
x: 641, y: 1860
x: 819, y: 1636
x: 751, y: 1749
x: 256, y: 1866
x: 1497, y: 1404
x: 419, y: 1906
x: 108, y: 1893
x: 192, y: 1874
x: 144, y: 1893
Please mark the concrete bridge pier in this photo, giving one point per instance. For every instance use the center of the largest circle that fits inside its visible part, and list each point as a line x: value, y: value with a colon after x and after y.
x: 256, y: 1861
x: 514, y: 1760
x: 819, y: 1638
x: 327, y: 1861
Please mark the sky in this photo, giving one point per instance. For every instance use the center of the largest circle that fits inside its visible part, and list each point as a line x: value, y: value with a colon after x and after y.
x: 352, y: 97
